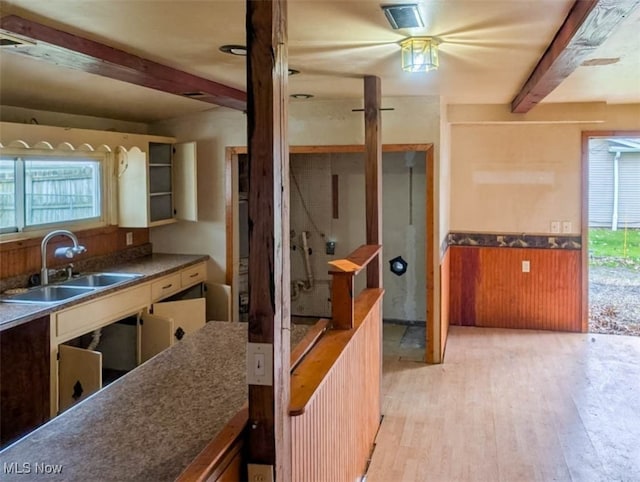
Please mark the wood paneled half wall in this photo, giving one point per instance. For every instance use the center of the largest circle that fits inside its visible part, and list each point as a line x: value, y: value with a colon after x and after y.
x: 508, y: 287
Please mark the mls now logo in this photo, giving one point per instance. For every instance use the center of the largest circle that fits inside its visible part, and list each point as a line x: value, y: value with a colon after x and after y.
x: 28, y: 468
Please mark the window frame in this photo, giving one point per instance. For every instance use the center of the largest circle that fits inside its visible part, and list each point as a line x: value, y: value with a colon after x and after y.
x: 106, y: 185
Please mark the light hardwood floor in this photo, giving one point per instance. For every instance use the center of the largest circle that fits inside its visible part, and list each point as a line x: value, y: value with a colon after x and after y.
x: 513, y: 405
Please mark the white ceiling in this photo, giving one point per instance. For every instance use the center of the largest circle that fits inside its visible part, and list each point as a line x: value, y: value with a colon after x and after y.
x: 488, y: 50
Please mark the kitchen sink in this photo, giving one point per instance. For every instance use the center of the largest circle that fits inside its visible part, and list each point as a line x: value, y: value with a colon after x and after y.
x: 47, y: 294
x: 72, y: 288
x: 100, y: 280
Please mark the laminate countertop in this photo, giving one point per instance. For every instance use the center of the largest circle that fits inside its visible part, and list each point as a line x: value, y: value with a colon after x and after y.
x: 151, y: 423
x: 151, y: 266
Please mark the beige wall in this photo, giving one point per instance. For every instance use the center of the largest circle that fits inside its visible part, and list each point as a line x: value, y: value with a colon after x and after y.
x: 414, y: 120
x: 46, y: 118
x: 513, y: 174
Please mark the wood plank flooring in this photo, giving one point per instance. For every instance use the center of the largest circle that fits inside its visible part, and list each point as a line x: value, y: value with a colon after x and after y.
x: 513, y: 405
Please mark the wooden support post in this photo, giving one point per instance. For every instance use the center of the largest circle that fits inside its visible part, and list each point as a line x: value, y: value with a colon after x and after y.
x: 269, y: 438
x: 373, y: 174
x: 342, y: 300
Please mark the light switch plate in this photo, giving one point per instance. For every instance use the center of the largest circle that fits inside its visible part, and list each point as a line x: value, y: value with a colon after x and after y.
x: 526, y: 266
x: 260, y: 364
x: 129, y: 238
x: 555, y: 227
x: 566, y: 227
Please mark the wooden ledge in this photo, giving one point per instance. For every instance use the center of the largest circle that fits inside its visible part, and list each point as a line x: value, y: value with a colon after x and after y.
x: 218, y: 453
x: 314, y: 368
x: 305, y: 345
x: 356, y: 261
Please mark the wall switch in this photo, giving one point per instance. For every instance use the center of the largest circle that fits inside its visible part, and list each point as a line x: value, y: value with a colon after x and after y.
x: 526, y: 266
x: 260, y: 473
x: 260, y: 364
x: 555, y: 227
x: 566, y: 227
x: 129, y: 238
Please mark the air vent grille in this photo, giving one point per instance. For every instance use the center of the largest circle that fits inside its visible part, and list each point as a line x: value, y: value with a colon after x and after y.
x: 11, y: 41
x: 403, y: 16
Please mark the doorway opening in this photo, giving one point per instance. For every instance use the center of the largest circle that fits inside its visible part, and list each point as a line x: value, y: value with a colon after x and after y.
x: 612, y: 232
x: 327, y: 221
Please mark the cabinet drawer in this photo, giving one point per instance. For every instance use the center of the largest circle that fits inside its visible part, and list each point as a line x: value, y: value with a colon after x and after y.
x: 193, y: 275
x: 165, y: 287
x: 101, y: 311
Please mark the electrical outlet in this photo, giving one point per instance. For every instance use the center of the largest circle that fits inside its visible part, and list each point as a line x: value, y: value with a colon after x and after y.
x: 129, y: 238
x: 566, y: 227
x: 555, y: 227
x: 260, y: 473
x: 526, y: 266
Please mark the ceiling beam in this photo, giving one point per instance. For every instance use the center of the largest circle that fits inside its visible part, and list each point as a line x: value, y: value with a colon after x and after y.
x: 74, y: 52
x: 587, y: 26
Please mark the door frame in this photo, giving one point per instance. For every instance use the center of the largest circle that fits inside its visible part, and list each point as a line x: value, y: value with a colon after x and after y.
x: 584, y: 219
x: 433, y: 330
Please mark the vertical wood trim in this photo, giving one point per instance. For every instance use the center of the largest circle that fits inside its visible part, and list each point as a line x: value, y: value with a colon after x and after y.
x: 342, y: 300
x: 335, y: 195
x: 373, y: 174
x: 269, y: 440
x: 445, y: 289
x: 229, y: 213
x: 432, y: 246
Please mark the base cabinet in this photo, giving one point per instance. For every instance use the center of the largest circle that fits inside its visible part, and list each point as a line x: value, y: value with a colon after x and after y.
x: 79, y: 374
x: 24, y: 379
x: 169, y: 323
x: 84, y: 371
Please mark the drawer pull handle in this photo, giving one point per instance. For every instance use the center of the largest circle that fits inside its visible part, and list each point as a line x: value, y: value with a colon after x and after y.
x: 194, y: 275
x: 167, y: 286
x: 179, y: 334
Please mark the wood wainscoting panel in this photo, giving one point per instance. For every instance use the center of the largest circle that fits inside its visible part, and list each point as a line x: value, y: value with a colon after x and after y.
x: 489, y: 288
x: 333, y: 438
x: 23, y: 257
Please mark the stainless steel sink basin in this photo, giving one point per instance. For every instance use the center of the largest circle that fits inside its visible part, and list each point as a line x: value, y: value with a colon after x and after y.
x: 66, y: 290
x: 47, y: 294
x: 100, y: 280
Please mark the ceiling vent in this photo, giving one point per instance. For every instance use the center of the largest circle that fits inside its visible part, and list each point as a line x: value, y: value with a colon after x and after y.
x: 11, y: 41
x: 403, y: 16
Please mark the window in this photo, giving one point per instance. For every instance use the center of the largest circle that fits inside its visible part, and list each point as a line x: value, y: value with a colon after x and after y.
x: 41, y: 190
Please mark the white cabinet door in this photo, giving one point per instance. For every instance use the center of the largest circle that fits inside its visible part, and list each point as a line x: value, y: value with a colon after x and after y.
x: 168, y: 324
x: 80, y: 375
x: 187, y: 315
x: 133, y: 188
x: 156, y: 334
x: 185, y: 173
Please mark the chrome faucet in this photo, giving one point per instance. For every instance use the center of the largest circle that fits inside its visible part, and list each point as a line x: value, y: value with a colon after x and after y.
x: 63, y: 252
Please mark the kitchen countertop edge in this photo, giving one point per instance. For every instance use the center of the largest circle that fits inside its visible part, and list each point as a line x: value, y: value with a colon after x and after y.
x: 151, y: 267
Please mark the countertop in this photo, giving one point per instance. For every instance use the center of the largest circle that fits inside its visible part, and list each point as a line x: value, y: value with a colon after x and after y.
x: 152, y: 266
x: 151, y: 423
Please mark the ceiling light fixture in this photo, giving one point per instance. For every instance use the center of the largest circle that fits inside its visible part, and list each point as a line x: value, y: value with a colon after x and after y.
x: 234, y: 49
x: 301, y: 96
x: 403, y: 15
x: 419, y: 54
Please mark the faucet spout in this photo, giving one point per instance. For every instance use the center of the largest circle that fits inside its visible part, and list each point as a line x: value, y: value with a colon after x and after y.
x: 63, y: 252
